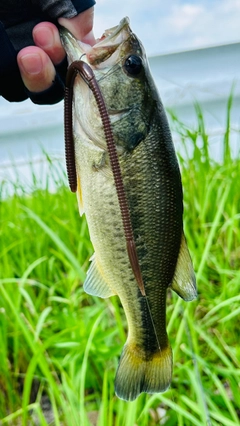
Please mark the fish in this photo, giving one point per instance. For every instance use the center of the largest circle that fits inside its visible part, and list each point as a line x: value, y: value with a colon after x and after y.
x: 152, y: 186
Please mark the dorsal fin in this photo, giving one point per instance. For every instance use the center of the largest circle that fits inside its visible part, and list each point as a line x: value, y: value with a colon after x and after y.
x: 184, y: 281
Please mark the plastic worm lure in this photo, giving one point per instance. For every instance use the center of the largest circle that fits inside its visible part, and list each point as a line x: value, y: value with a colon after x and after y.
x: 86, y: 73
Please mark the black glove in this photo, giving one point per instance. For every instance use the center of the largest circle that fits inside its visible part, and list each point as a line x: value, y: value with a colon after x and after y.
x: 17, y: 20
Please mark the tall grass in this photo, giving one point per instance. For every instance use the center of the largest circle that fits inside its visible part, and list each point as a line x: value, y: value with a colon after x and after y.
x: 60, y: 347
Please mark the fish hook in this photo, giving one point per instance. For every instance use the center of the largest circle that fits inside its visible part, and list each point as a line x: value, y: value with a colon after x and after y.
x: 87, y: 74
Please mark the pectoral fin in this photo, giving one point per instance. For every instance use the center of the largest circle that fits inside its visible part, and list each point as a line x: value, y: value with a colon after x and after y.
x: 95, y: 283
x: 184, y: 281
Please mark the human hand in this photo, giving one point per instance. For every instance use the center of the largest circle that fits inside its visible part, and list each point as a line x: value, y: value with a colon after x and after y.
x: 43, y: 65
x: 37, y: 63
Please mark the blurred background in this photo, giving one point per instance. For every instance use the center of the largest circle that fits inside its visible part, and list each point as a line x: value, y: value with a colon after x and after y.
x: 60, y: 347
x: 194, y: 54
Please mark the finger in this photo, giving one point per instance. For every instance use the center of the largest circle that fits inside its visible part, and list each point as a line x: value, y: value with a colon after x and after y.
x: 36, y: 68
x: 89, y: 39
x: 81, y: 25
x: 46, y: 36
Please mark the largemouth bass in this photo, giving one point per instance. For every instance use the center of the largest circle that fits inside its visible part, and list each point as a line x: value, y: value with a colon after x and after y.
x: 153, y: 189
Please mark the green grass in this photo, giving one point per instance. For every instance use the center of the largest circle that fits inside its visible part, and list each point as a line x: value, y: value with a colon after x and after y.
x: 60, y: 344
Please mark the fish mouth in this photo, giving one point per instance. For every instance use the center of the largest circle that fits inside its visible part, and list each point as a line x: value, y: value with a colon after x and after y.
x: 105, y: 47
x: 112, y: 34
x: 102, y: 56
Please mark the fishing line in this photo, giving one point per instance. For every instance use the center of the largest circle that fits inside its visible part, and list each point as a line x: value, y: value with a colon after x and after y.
x: 111, y: 71
x: 86, y: 73
x: 154, y: 328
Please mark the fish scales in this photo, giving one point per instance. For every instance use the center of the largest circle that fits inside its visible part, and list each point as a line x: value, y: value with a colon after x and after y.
x: 152, y: 184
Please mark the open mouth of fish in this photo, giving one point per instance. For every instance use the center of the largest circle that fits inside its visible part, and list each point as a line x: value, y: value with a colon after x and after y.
x: 102, y: 56
x: 97, y: 55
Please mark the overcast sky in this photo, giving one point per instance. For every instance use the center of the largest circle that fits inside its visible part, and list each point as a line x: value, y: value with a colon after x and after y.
x: 173, y: 25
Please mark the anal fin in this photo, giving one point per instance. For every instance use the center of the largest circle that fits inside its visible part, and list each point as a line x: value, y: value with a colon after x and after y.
x: 95, y: 283
x: 184, y: 281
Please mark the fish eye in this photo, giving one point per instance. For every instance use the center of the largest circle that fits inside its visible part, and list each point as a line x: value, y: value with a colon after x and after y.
x: 133, y: 65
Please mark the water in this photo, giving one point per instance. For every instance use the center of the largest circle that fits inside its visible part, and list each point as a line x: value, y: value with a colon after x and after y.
x: 206, y: 76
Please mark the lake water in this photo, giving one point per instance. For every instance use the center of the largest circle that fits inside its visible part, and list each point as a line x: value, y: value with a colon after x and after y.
x: 28, y: 133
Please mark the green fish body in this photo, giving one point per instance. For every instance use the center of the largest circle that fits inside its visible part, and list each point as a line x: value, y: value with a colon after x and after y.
x: 153, y: 190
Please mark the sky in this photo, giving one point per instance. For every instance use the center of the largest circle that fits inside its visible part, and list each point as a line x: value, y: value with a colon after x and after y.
x: 166, y: 26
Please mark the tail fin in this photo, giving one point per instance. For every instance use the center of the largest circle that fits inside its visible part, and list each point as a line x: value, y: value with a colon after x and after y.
x: 135, y: 374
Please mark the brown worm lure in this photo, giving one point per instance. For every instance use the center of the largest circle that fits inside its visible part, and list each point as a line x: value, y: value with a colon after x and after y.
x: 86, y: 73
